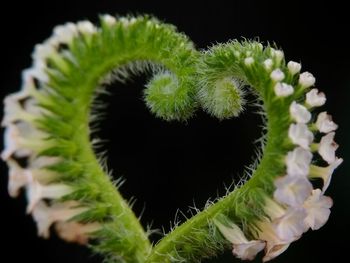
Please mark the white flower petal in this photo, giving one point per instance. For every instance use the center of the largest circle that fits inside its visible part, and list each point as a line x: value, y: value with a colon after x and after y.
x: 45, y: 215
x: 291, y: 226
x: 291, y: 190
x: 109, y: 20
x: 18, y: 178
x: 21, y: 140
x: 279, y: 55
x: 76, y: 232
x: 242, y: 248
x: 298, y: 162
x: 299, y: 113
x: 86, y: 27
x: 43, y: 51
x: 306, y: 79
x: 249, y: 250
x: 274, y: 245
x: 293, y: 67
x: 277, y: 75
x: 283, y: 89
x: 268, y: 63
x: 37, y: 192
x: 325, y: 172
x: 325, y: 123
x: 300, y: 135
x: 317, y: 207
x: 327, y: 147
x: 63, y: 34
x: 248, y: 61
x: 315, y: 98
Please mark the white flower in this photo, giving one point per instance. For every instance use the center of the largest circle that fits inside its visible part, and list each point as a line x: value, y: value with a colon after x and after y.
x: 76, y: 232
x: 14, y: 143
x: 242, y: 248
x: 42, y: 51
x: 300, y: 135
x: 283, y: 89
x: 45, y: 215
x: 86, y: 27
x: 315, y: 98
x: 292, y: 190
x: 325, y: 123
x: 21, y: 139
x: 277, y: 75
x: 318, y: 210
x: 18, y: 178
x: 327, y: 147
x: 109, y: 20
x: 268, y: 63
x: 248, y: 61
x: 279, y: 55
x: 291, y: 226
x: 298, y: 162
x: 306, y: 80
x: 274, y: 245
x: 325, y: 172
x: 293, y: 67
x: 37, y: 192
x: 299, y: 113
x: 13, y: 110
x: 64, y: 33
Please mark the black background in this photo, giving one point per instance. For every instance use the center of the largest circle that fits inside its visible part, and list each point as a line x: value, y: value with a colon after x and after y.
x: 173, y: 165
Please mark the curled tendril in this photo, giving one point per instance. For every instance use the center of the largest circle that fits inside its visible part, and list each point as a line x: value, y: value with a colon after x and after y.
x: 47, y: 125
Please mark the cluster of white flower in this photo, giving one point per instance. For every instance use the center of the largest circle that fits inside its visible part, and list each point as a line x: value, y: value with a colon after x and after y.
x: 23, y: 140
x: 296, y: 206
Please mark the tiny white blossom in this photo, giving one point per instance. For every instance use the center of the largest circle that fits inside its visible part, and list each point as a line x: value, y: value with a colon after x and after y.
x: 291, y: 226
x: 268, y: 63
x: 300, y: 135
x: 327, y: 147
x: 279, y: 55
x: 64, y: 34
x: 325, y: 172
x: 292, y: 190
x: 42, y: 51
x: 38, y: 71
x: 299, y: 113
x: 86, y: 27
x: 274, y: 245
x: 46, y: 215
x: 283, y: 89
x: 21, y: 139
x: 242, y: 247
x: 109, y: 20
x: 13, y: 111
x: 76, y: 232
x: 277, y: 75
x: 37, y: 192
x: 18, y: 178
x: 324, y: 123
x: 306, y: 79
x: 298, y: 162
x: 315, y: 98
x: 293, y: 67
x: 248, y: 61
x: 317, y: 207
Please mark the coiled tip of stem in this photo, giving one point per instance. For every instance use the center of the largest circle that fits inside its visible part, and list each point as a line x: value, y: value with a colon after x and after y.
x: 170, y: 98
x: 222, y: 98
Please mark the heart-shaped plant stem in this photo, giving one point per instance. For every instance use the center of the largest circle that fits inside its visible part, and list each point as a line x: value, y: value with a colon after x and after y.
x: 48, y: 124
